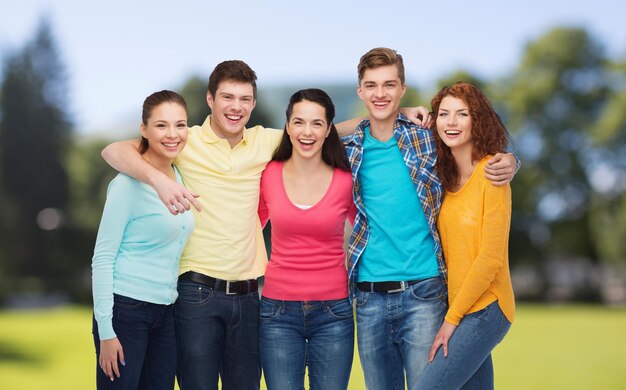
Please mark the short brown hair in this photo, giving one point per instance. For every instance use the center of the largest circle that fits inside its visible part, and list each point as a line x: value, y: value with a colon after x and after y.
x: 232, y: 70
x: 381, y: 56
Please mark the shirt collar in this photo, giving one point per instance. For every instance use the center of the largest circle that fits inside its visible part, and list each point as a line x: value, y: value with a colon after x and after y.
x: 357, y: 136
x: 208, y: 135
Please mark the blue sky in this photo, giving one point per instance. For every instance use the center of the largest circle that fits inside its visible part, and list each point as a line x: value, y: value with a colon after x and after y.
x: 119, y: 52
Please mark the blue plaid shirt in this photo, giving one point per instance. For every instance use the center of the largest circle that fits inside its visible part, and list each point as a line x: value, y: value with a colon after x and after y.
x: 419, y: 151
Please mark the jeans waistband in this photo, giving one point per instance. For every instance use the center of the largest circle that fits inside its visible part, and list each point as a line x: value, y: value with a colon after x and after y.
x: 388, y: 287
x: 230, y: 287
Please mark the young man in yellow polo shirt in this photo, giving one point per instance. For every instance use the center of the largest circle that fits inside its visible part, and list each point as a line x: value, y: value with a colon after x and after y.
x: 217, y: 310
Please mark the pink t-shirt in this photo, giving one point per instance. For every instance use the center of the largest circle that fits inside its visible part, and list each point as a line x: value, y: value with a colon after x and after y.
x: 308, y: 260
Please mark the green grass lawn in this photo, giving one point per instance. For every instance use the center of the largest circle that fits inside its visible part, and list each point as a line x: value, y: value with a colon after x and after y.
x: 548, y: 347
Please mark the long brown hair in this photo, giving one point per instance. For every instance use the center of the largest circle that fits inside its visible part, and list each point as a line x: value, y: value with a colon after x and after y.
x: 489, y: 136
x: 333, y: 152
x: 153, y: 101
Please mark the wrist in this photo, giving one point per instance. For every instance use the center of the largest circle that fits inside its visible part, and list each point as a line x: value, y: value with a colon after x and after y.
x: 155, y: 177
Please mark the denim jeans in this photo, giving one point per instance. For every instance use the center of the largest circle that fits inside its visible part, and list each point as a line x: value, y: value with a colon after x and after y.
x: 314, y: 334
x: 146, y: 333
x: 218, y: 336
x: 468, y: 365
x: 395, y: 332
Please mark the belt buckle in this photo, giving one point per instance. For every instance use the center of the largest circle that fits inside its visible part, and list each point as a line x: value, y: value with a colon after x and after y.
x: 228, y: 292
x: 403, y: 287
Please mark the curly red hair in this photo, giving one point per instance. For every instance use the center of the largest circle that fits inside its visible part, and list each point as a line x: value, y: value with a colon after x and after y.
x: 489, y: 136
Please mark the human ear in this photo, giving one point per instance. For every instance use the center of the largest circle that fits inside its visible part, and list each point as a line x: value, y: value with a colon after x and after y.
x: 209, y: 100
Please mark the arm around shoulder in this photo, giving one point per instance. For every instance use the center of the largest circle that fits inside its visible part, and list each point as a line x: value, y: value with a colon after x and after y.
x: 501, y: 168
x: 347, y: 127
x: 124, y: 156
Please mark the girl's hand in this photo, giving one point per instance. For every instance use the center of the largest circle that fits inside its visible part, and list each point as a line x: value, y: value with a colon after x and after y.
x: 110, y: 350
x: 441, y: 339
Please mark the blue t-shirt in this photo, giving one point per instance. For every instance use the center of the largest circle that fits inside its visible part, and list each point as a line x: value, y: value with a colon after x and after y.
x: 400, y: 246
x: 137, y: 250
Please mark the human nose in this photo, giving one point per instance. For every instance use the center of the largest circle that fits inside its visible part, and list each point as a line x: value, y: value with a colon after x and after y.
x: 380, y: 91
x: 236, y: 105
x: 171, y: 132
x: 308, y: 129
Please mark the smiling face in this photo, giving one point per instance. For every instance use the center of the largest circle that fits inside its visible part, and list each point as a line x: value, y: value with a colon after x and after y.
x: 230, y: 109
x: 166, y: 132
x: 307, y: 128
x: 381, y: 91
x: 454, y: 123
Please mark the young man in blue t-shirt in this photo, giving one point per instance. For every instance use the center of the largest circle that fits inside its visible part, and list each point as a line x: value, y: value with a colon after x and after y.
x: 396, y: 268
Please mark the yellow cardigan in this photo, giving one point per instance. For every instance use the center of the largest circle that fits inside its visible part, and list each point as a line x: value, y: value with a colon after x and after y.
x: 474, y: 224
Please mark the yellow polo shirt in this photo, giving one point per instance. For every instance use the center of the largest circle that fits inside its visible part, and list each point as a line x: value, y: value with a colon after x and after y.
x: 227, y: 242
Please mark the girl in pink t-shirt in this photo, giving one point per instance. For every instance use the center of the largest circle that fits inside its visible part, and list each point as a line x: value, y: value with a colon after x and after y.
x: 306, y: 192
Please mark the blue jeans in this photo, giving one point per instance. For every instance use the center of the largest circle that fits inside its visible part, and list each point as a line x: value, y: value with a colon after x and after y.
x: 218, y: 336
x: 146, y: 333
x: 317, y: 334
x: 395, y: 332
x: 468, y: 365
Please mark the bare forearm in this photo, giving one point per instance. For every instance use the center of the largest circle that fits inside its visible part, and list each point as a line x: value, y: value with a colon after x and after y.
x: 124, y: 157
x: 417, y: 115
x: 347, y: 127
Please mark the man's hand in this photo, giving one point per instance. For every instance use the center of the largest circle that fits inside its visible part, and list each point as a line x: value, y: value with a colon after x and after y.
x: 418, y: 115
x: 501, y: 169
x: 441, y: 339
x: 176, y: 197
x: 110, y: 350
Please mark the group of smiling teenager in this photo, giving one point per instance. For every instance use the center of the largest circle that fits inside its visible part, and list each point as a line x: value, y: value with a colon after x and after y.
x: 429, y: 281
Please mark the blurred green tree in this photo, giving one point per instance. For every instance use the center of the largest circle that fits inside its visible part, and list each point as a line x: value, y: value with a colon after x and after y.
x: 194, y: 91
x: 35, y: 131
x: 89, y: 177
x: 553, y: 100
x: 608, y: 169
x: 461, y: 75
x: 412, y: 98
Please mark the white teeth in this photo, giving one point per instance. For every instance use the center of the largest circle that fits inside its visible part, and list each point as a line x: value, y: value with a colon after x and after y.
x: 233, y: 117
x: 307, y: 142
x: 171, y: 145
x: 452, y: 132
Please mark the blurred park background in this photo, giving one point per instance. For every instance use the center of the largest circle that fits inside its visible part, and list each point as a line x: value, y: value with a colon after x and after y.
x: 559, y: 84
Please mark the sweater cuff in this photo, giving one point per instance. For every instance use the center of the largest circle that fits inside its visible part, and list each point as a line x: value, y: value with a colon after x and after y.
x: 453, y: 318
x: 105, y: 331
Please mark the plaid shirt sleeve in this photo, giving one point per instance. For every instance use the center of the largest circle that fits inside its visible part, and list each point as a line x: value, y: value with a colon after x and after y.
x: 360, y: 232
